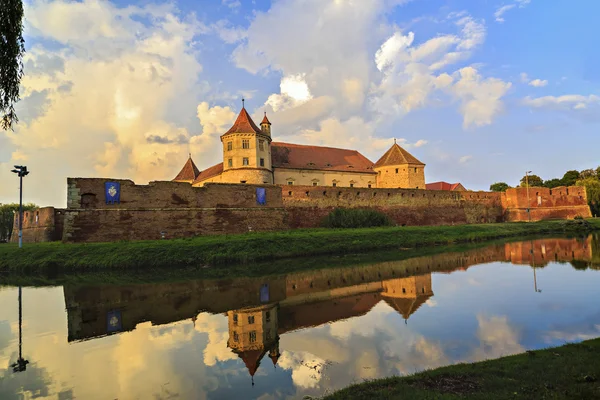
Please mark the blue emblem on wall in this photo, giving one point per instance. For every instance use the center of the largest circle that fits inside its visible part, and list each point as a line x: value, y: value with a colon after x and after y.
x: 112, y: 191
x: 261, y: 196
x: 264, y: 293
x: 113, y: 321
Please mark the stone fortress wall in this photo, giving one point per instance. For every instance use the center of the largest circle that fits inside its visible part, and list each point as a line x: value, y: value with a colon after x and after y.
x: 176, y: 209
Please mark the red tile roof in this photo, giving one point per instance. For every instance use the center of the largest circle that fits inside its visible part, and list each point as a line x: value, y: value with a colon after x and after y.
x: 265, y: 120
x: 244, y: 124
x: 209, y: 173
x: 189, y: 172
x: 444, y: 186
x: 252, y: 359
x: 297, y: 156
x: 396, y: 155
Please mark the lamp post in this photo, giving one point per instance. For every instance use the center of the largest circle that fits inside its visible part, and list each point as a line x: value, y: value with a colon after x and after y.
x: 533, y: 266
x: 20, y: 170
x: 528, y: 202
x: 21, y: 364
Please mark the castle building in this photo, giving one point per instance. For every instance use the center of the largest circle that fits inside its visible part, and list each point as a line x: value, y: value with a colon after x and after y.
x: 250, y: 156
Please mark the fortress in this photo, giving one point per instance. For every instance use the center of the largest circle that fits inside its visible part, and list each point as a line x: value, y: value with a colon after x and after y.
x: 268, y: 186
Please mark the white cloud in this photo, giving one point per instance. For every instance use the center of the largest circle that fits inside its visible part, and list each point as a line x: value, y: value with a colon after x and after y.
x: 503, y: 9
x: 538, y: 83
x: 480, y: 98
x: 565, y: 102
x: 114, y: 92
x: 499, y: 12
x: 465, y: 159
x: 233, y: 4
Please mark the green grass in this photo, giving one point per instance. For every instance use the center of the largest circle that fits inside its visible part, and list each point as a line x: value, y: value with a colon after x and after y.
x: 260, y: 246
x: 571, y: 371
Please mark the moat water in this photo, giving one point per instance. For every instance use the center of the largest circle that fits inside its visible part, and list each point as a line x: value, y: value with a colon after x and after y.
x: 305, y: 333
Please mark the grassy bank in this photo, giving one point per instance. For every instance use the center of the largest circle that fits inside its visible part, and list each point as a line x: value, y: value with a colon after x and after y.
x: 571, y: 371
x: 254, y: 247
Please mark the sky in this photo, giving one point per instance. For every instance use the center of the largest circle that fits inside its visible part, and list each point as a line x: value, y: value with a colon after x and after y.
x: 480, y: 91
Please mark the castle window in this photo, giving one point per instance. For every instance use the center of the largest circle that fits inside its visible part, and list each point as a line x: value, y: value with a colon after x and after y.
x: 230, y: 162
x: 88, y: 200
x: 396, y: 170
x: 229, y: 146
x: 235, y: 319
x: 369, y: 186
x: 352, y: 185
x: 262, y: 162
x: 37, y: 217
x: 261, y: 145
x: 268, y: 316
x: 245, y: 143
x: 290, y: 182
x: 250, y: 319
x: 315, y: 183
x: 245, y: 161
x: 252, y: 336
x: 403, y: 290
x: 415, y: 170
x: 334, y: 183
x: 242, y: 181
x: 236, y: 338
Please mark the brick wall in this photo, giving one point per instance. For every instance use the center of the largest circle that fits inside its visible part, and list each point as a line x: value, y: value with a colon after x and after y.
x: 544, y: 203
x: 306, y: 206
x: 39, y: 225
x: 180, y: 210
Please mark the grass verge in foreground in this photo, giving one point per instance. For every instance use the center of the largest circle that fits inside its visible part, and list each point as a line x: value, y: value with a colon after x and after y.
x: 261, y: 246
x: 571, y: 371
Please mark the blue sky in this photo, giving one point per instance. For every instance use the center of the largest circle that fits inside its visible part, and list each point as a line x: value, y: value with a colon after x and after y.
x: 480, y: 91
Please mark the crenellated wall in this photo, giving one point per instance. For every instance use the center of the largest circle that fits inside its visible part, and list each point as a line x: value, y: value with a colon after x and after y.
x: 175, y: 209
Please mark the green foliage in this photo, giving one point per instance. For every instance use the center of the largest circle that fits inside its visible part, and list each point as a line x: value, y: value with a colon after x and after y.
x: 588, y: 173
x: 7, y: 219
x: 12, y: 48
x: 499, y: 187
x: 552, y: 183
x: 570, y: 178
x: 534, y: 181
x: 226, y: 250
x: 355, y: 218
x: 592, y: 187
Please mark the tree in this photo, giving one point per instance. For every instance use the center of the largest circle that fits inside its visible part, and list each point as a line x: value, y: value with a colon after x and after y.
x: 7, y: 216
x: 588, y: 173
x: 570, y: 178
x: 12, y: 48
x: 552, y: 183
x: 534, y: 180
x: 592, y: 187
x: 499, y: 187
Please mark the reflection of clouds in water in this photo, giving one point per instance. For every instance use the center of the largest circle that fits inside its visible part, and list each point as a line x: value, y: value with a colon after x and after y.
x: 496, y: 338
x: 216, y: 327
x: 365, y: 325
x: 431, y: 302
x: 34, y: 383
x: 473, y: 281
x: 587, y: 328
x: 306, y: 368
x: 5, y: 335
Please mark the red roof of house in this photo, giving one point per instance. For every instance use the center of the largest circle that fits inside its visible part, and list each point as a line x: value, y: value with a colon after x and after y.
x: 396, y: 155
x: 406, y: 306
x: 244, y: 124
x: 252, y: 359
x: 297, y: 156
x: 209, y: 173
x: 265, y: 120
x: 189, y: 172
x: 442, y: 186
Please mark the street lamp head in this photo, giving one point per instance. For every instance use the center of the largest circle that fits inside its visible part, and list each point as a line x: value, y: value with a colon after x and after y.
x: 14, y: 170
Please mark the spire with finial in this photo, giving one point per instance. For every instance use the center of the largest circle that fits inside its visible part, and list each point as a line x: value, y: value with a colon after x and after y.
x: 243, y: 102
x: 265, y: 125
x: 394, y: 140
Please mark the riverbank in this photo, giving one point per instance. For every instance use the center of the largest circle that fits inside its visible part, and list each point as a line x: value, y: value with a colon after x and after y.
x: 571, y: 371
x: 262, y: 246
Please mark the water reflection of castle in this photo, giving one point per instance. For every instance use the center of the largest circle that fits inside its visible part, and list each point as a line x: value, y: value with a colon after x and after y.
x: 260, y: 310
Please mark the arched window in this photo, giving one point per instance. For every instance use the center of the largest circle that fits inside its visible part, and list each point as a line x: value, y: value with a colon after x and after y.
x: 88, y: 200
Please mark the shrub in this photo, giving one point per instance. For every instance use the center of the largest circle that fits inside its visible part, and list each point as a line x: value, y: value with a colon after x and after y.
x: 355, y: 218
